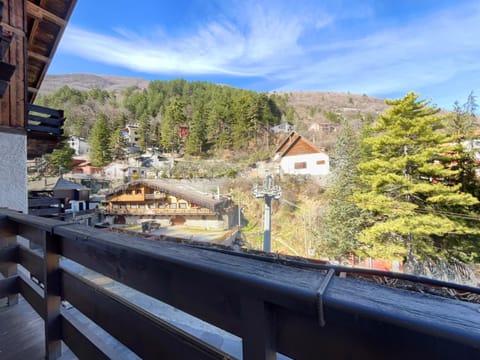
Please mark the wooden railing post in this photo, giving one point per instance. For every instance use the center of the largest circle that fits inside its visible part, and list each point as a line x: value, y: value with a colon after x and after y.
x: 8, y: 236
x: 258, y: 330
x: 52, y: 299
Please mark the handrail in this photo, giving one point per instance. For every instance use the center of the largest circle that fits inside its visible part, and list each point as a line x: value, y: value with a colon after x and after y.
x: 272, y: 307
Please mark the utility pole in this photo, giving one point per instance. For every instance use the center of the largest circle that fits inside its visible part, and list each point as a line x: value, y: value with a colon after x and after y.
x: 268, y: 191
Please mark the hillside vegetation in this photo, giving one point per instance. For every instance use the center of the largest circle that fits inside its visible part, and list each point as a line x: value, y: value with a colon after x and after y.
x: 403, y: 183
x: 138, y: 101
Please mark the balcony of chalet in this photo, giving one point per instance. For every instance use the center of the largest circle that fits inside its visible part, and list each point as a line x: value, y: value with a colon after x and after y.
x: 71, y: 291
x: 145, y: 210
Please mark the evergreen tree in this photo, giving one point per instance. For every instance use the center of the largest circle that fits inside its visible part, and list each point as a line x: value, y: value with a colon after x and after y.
x: 144, y: 129
x: 461, y: 124
x: 118, y: 144
x: 60, y: 160
x: 196, y: 136
x: 174, y: 117
x: 343, y: 219
x: 408, y: 188
x: 99, y: 140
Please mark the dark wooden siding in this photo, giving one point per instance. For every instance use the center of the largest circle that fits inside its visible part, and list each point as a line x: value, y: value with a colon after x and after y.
x: 13, y: 103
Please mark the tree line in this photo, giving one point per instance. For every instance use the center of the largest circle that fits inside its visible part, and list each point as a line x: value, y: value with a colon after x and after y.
x: 216, y: 117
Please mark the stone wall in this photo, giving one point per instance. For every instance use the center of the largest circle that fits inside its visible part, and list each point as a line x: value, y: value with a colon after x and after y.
x: 13, y: 171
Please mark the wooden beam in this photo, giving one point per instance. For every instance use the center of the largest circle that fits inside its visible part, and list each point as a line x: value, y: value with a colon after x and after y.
x: 32, y: 90
x: 30, y: 292
x: 32, y: 262
x: 55, y: 122
x: 9, y: 254
x: 82, y: 341
x: 13, y: 30
x: 9, y: 286
x: 45, y: 110
x: 39, y: 57
x: 40, y: 13
x: 148, y: 336
x: 44, y: 129
x: 52, y: 297
x: 8, y: 238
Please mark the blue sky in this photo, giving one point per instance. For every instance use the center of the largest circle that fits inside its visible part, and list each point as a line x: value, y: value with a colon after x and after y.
x: 382, y: 48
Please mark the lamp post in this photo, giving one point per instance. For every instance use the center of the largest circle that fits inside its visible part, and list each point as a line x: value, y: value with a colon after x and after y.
x: 268, y: 191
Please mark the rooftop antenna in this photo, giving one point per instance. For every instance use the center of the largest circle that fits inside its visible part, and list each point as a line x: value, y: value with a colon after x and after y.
x: 268, y: 191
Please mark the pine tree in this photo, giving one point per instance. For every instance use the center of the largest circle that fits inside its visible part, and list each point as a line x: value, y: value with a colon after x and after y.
x: 174, y: 117
x: 118, y: 144
x: 408, y: 183
x: 144, y: 129
x: 461, y: 124
x: 343, y: 219
x: 99, y: 140
x: 60, y: 160
x: 196, y: 135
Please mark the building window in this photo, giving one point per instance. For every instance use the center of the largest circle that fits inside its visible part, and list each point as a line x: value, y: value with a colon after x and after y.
x: 123, y: 206
x: 138, y: 191
x: 173, y: 206
x: 141, y: 206
x: 161, y: 206
x: 182, y: 205
x: 133, y: 206
x: 115, y: 206
x: 321, y: 162
x: 300, y: 165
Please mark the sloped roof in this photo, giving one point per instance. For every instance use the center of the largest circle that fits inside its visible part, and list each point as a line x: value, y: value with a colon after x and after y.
x: 63, y: 184
x: 177, y: 189
x: 54, y: 183
x: 294, y: 140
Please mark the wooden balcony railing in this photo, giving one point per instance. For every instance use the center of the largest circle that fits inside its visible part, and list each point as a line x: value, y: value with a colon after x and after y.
x: 155, y: 196
x: 294, y: 308
x: 156, y: 211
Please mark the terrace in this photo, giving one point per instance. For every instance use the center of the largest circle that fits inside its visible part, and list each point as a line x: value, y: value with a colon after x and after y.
x: 270, y: 304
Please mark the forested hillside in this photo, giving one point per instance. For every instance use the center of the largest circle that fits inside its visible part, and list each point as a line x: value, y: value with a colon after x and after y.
x: 226, y: 118
x: 218, y: 118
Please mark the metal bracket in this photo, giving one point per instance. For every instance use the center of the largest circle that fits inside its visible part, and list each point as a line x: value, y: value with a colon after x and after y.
x: 320, y: 293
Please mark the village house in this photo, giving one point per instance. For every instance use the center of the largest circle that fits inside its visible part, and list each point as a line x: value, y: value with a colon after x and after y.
x: 132, y: 138
x: 78, y: 144
x: 284, y: 127
x: 298, y: 156
x: 167, y: 202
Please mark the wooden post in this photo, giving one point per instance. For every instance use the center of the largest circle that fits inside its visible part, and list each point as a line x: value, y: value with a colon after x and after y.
x: 52, y: 288
x: 258, y: 330
x: 8, y: 236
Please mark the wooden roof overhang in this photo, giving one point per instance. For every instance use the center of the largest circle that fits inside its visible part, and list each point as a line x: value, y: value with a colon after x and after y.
x: 291, y: 141
x: 172, y: 189
x: 46, y: 22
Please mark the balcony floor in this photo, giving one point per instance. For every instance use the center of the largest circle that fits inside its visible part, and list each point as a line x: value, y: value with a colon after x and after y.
x: 22, y: 333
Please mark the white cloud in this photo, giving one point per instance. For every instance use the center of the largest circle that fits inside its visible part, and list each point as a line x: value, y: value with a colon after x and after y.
x: 428, y: 52
x: 269, y: 41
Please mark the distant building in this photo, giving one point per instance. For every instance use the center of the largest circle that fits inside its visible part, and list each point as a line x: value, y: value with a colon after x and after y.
x: 168, y: 203
x: 115, y: 171
x: 85, y: 168
x: 323, y: 127
x: 298, y: 156
x: 284, y: 127
x: 183, y: 131
x: 79, y: 145
x: 132, y: 137
x: 55, y: 196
